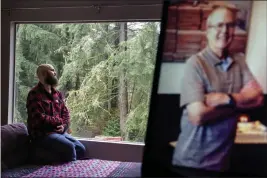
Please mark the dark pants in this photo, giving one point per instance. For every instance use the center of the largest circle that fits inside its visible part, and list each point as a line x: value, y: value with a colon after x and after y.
x: 57, y: 148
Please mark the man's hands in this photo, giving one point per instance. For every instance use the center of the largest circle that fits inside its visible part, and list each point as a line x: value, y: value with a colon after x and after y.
x: 250, y: 96
x: 216, y: 99
x: 199, y: 113
x: 250, y: 91
x: 60, y: 129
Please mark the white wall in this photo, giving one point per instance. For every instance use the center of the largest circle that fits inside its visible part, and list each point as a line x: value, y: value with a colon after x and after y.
x: 256, y: 51
x: 170, y: 77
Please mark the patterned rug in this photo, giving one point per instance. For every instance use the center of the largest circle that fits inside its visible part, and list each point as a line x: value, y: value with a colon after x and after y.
x: 80, y: 168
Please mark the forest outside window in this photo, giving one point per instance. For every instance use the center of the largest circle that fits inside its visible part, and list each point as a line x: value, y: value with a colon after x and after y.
x: 105, y: 72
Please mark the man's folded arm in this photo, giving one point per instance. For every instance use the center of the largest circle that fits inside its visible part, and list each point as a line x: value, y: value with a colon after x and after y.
x: 65, y: 114
x: 199, y: 113
x: 251, y: 96
x: 66, y: 118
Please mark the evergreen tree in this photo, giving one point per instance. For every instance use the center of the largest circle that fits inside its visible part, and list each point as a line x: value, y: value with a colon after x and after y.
x: 105, y: 78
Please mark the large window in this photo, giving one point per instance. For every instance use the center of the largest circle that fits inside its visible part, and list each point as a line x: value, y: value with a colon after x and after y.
x: 105, y: 72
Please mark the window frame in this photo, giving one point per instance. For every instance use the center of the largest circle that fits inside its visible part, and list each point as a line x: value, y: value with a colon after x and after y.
x: 87, y: 14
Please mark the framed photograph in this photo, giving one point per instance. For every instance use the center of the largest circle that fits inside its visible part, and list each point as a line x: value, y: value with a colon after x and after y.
x: 188, y: 142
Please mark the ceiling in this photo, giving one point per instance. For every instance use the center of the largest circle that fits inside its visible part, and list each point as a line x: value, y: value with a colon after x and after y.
x: 72, y: 3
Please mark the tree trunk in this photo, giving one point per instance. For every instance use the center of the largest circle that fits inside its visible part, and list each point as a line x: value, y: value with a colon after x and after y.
x: 109, y: 81
x: 115, y: 82
x: 123, y: 94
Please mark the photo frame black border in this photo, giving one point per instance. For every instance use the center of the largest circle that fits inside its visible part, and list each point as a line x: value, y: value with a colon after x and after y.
x: 157, y: 70
x: 146, y: 164
x: 151, y: 167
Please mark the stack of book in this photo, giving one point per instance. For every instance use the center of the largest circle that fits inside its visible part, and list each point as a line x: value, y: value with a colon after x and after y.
x: 172, y: 17
x: 170, y: 41
x: 169, y: 44
x: 239, y: 42
x: 188, y: 43
x: 185, y: 34
x: 188, y: 17
x: 204, y: 42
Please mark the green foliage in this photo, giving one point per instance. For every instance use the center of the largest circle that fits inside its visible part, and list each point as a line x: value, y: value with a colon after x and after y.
x: 89, y: 61
x: 34, y: 46
x: 112, y: 127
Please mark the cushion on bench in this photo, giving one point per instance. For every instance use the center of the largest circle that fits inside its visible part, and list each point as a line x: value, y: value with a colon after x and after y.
x: 14, y: 145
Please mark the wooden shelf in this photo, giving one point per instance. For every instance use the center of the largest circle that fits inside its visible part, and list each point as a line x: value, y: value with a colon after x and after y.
x: 244, y: 138
x: 251, y: 138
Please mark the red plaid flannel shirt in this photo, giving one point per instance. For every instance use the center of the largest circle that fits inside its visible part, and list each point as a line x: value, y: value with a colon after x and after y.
x: 46, y: 111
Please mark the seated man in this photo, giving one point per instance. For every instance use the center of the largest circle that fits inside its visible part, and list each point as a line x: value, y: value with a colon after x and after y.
x: 48, y: 121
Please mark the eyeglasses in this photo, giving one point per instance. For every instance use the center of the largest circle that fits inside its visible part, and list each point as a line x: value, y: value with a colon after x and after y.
x: 220, y: 26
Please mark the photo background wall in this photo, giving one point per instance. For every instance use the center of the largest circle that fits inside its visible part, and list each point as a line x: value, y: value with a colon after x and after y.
x: 186, y: 26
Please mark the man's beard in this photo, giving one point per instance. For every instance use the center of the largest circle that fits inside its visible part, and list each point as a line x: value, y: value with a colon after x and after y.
x: 51, y: 80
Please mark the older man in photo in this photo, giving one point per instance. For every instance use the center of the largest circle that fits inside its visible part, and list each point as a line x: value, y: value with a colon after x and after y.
x: 217, y: 85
